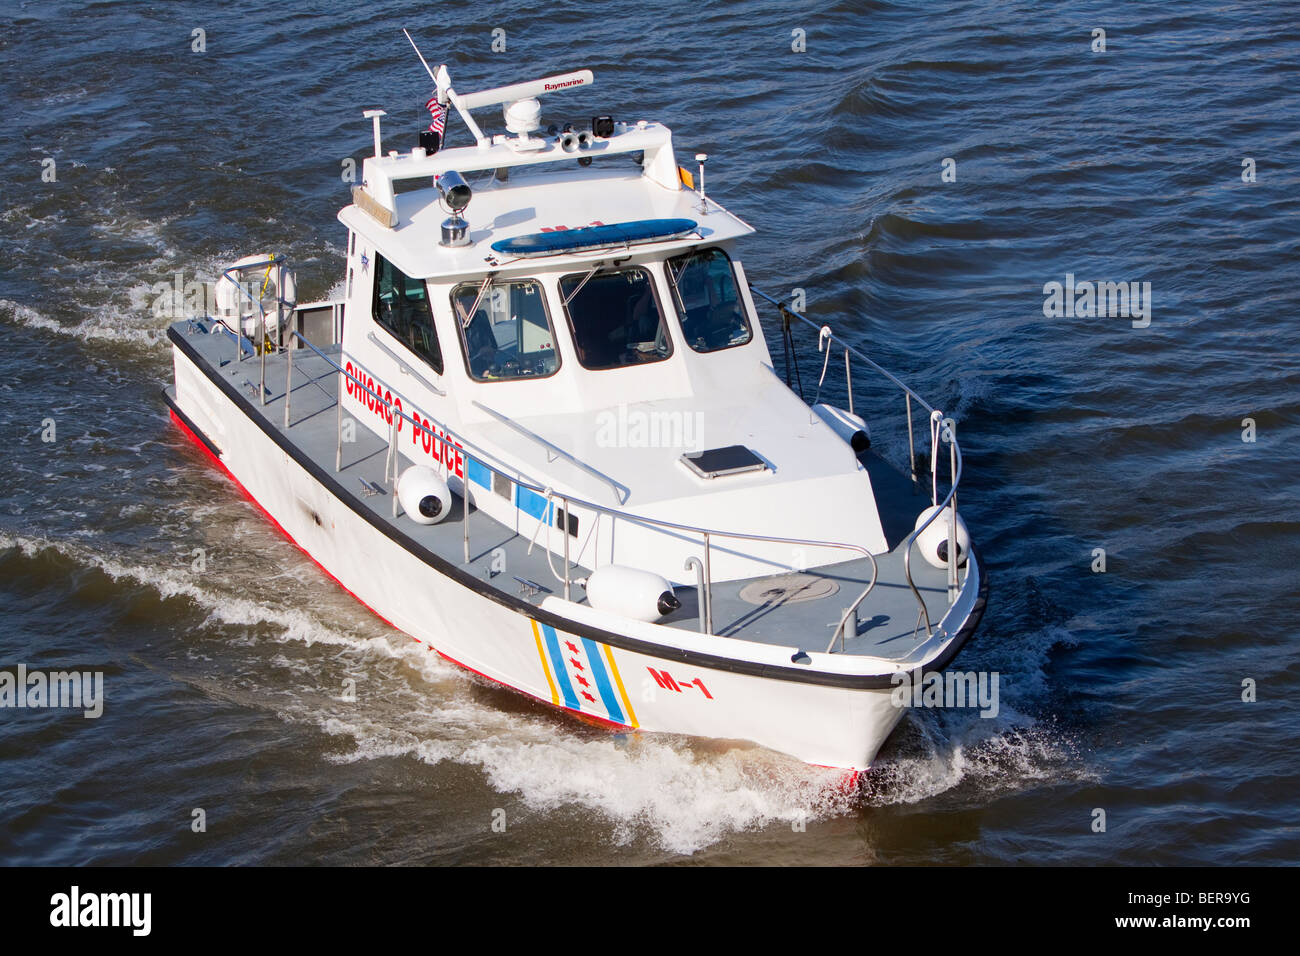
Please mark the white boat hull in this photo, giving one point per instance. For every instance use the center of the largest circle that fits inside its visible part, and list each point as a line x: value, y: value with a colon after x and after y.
x: 536, y: 654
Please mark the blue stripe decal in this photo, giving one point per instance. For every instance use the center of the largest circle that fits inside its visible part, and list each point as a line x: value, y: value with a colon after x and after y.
x: 478, y: 473
x: 602, y: 680
x: 530, y: 502
x: 561, y: 672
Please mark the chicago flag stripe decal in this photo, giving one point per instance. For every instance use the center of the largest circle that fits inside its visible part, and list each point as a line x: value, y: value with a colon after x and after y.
x: 582, y: 675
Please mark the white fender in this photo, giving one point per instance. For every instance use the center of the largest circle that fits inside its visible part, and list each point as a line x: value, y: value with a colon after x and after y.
x: 631, y: 592
x: 933, y: 541
x: 852, y: 428
x: 423, y: 495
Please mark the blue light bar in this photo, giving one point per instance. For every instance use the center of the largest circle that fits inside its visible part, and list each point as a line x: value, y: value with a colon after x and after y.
x: 595, y: 237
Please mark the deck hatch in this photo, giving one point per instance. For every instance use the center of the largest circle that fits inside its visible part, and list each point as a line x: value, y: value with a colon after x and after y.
x: 792, y: 588
x: 716, y: 462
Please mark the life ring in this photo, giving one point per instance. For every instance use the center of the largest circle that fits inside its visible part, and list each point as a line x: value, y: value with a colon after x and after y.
x: 250, y: 290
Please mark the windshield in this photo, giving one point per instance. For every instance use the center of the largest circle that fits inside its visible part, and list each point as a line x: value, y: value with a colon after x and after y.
x: 615, y: 319
x: 704, y: 286
x: 505, y: 330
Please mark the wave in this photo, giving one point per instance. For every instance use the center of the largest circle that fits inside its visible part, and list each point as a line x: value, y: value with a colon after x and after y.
x: 220, y: 607
x: 676, y: 794
x: 956, y: 751
x: 95, y: 328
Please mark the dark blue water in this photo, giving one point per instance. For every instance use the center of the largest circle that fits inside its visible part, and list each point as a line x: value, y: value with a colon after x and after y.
x: 1120, y: 690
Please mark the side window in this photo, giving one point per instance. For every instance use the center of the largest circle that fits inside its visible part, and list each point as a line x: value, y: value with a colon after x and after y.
x: 614, y: 317
x: 505, y: 330
x: 713, y: 316
x: 402, y: 307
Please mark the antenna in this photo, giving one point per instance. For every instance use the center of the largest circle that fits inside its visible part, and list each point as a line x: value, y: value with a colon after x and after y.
x: 421, y: 56
x: 442, y: 82
x: 502, y: 94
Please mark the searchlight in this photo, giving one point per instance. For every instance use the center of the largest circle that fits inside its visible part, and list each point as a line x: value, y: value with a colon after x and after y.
x: 455, y: 192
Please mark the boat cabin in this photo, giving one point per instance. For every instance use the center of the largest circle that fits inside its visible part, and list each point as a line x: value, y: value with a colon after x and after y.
x: 584, y: 314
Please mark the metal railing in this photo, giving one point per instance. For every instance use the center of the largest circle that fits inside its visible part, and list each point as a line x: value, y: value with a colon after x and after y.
x: 395, y: 414
x: 553, y: 451
x: 939, y: 425
x: 826, y: 339
x: 402, y: 365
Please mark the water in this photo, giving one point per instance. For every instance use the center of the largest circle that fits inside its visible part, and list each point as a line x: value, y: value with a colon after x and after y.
x: 1120, y: 690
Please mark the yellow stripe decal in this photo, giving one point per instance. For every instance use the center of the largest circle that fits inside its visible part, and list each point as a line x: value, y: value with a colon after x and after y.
x: 618, y: 679
x: 555, y: 698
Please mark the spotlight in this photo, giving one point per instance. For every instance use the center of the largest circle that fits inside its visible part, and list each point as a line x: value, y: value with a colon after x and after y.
x: 455, y: 192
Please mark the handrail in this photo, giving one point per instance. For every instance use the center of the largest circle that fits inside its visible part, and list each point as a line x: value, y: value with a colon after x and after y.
x: 955, y: 467
x: 786, y: 310
x: 852, y: 610
x: 952, y: 555
x: 479, y: 454
x: 403, y: 366
x: 621, y: 491
x: 472, y: 452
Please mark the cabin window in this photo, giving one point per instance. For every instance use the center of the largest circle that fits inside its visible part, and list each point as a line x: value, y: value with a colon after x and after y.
x: 615, y: 319
x: 402, y: 307
x: 505, y: 330
x: 708, y: 300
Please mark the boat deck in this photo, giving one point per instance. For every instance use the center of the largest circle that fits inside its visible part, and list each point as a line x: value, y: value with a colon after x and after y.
x: 772, y: 610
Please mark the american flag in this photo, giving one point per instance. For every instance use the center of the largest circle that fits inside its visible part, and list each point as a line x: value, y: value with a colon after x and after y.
x: 437, y: 113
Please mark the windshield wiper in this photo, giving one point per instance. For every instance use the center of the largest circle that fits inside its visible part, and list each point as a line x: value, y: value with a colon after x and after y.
x: 594, y: 269
x: 466, y: 318
x: 674, y: 278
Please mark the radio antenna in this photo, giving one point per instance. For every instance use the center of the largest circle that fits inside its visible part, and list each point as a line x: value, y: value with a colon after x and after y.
x: 447, y: 95
x: 421, y: 56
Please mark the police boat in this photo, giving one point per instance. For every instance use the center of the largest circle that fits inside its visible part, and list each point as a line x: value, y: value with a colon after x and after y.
x: 542, y: 432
